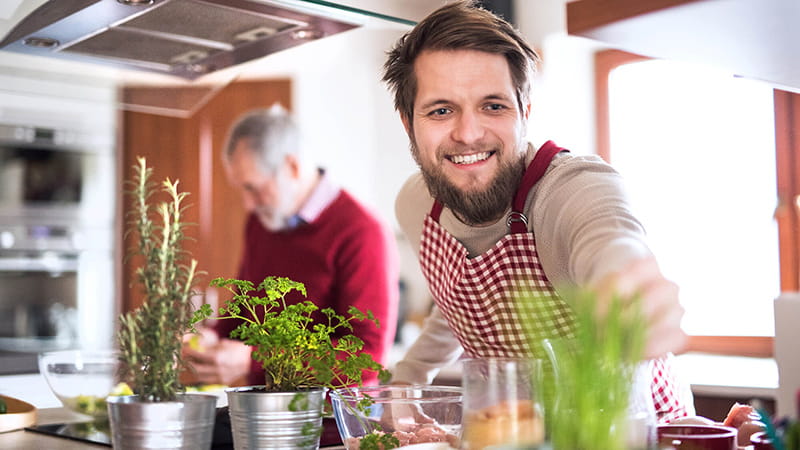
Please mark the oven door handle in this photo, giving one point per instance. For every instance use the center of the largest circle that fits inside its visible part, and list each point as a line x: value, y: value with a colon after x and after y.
x: 9, y: 264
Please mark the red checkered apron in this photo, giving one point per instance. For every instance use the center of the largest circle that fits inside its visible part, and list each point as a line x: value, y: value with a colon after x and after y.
x: 475, y: 295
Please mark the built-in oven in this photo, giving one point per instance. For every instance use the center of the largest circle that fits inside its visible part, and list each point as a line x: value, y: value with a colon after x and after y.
x: 53, y: 174
x: 38, y: 302
x: 57, y: 265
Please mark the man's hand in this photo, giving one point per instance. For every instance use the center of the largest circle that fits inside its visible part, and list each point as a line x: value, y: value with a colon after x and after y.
x: 660, y: 304
x: 402, y: 416
x: 215, y: 360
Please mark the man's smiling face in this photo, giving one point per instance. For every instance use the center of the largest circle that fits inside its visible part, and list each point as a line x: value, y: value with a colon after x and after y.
x: 467, y: 131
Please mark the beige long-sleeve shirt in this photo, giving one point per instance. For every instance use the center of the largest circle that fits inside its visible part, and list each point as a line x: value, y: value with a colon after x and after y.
x: 584, y: 230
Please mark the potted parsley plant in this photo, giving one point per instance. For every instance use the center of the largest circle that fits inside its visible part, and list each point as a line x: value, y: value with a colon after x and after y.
x: 301, y: 357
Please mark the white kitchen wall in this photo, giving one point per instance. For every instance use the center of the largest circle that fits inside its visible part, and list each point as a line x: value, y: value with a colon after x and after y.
x: 346, y: 114
x: 350, y: 125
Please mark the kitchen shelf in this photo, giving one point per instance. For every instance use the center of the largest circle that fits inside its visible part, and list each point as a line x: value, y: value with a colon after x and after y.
x: 757, y: 39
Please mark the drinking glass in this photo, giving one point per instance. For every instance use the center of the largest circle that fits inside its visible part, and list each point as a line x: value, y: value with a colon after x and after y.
x: 641, y: 420
x: 501, y: 409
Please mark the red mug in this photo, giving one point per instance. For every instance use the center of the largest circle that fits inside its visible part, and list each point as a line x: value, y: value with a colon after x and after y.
x: 697, y: 437
x: 761, y: 441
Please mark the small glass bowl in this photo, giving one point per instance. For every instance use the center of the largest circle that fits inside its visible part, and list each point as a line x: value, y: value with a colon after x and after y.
x: 81, y: 379
x: 439, y: 406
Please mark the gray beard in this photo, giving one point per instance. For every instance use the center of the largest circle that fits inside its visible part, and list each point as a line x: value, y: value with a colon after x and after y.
x: 476, y: 207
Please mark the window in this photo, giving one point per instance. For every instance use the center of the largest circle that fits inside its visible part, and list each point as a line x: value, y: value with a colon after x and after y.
x: 698, y: 151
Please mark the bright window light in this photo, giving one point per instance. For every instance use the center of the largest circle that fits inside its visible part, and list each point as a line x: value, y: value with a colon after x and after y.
x: 697, y: 150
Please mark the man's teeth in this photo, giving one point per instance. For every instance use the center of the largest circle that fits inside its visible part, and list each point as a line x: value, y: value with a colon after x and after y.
x: 470, y: 159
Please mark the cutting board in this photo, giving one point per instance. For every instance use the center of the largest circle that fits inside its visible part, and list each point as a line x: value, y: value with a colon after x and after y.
x: 18, y: 415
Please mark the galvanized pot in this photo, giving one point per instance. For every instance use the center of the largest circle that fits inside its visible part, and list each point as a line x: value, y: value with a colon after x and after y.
x: 275, y: 420
x: 187, y: 423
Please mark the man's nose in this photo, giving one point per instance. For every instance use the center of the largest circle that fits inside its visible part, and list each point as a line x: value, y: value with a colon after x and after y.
x: 250, y: 200
x: 468, y: 128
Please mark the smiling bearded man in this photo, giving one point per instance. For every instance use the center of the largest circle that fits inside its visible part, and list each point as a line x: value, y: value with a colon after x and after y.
x: 490, y: 215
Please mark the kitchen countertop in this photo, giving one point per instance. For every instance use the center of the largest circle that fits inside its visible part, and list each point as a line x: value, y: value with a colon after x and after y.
x: 22, y: 439
x: 712, y: 375
x: 33, y: 389
x: 708, y: 375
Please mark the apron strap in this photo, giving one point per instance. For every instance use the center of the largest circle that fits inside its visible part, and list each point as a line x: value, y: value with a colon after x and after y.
x: 516, y: 219
x: 436, y: 210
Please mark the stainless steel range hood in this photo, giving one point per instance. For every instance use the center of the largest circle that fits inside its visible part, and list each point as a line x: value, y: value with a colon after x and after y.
x: 184, y: 38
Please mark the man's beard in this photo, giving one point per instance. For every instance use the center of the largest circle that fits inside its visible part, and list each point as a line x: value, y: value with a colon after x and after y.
x: 276, y: 218
x: 271, y: 219
x: 475, y: 207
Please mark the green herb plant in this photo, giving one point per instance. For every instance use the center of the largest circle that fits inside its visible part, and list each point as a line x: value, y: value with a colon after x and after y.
x: 150, y: 337
x: 589, y: 388
x: 294, y: 351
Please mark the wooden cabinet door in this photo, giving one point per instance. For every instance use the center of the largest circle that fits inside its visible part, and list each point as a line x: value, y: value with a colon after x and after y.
x: 190, y: 150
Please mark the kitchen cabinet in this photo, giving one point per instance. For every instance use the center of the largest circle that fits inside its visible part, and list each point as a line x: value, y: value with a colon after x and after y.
x: 752, y: 38
x: 189, y: 149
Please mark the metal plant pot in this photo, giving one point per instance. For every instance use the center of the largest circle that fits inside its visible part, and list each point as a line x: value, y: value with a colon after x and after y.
x: 275, y: 420
x: 187, y: 423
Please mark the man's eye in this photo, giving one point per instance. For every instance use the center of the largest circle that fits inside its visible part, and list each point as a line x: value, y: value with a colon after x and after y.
x: 439, y: 112
x: 496, y: 107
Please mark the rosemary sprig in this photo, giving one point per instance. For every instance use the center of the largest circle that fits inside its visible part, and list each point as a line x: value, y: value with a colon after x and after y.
x: 150, y: 337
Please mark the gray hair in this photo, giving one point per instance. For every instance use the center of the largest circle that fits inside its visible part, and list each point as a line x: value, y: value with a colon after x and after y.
x: 272, y: 135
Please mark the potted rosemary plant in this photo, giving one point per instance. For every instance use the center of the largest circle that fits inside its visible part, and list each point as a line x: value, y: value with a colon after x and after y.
x: 302, y: 359
x: 159, y: 414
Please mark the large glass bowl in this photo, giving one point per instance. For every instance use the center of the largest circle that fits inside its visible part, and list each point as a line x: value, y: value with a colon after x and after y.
x: 424, y: 416
x: 81, y: 379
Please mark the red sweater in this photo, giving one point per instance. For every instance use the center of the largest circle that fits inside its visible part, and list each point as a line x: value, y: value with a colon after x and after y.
x: 347, y: 256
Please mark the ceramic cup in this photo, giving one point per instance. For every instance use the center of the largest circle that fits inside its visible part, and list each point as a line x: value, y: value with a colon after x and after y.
x: 697, y: 437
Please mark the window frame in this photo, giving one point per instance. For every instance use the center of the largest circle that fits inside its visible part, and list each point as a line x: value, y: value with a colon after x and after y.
x: 787, y: 213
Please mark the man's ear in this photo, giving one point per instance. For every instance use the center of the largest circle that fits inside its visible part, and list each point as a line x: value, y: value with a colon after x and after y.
x: 406, y: 124
x: 292, y: 165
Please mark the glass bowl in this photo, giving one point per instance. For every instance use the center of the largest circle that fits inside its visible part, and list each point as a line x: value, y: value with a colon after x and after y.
x: 428, y: 417
x: 81, y: 379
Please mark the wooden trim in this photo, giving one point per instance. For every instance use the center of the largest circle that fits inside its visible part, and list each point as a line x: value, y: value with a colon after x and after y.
x: 604, y: 62
x: 756, y: 346
x: 205, y: 158
x: 787, y: 148
x: 584, y: 15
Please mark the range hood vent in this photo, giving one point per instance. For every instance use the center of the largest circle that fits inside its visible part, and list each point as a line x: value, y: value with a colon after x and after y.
x: 185, y: 38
